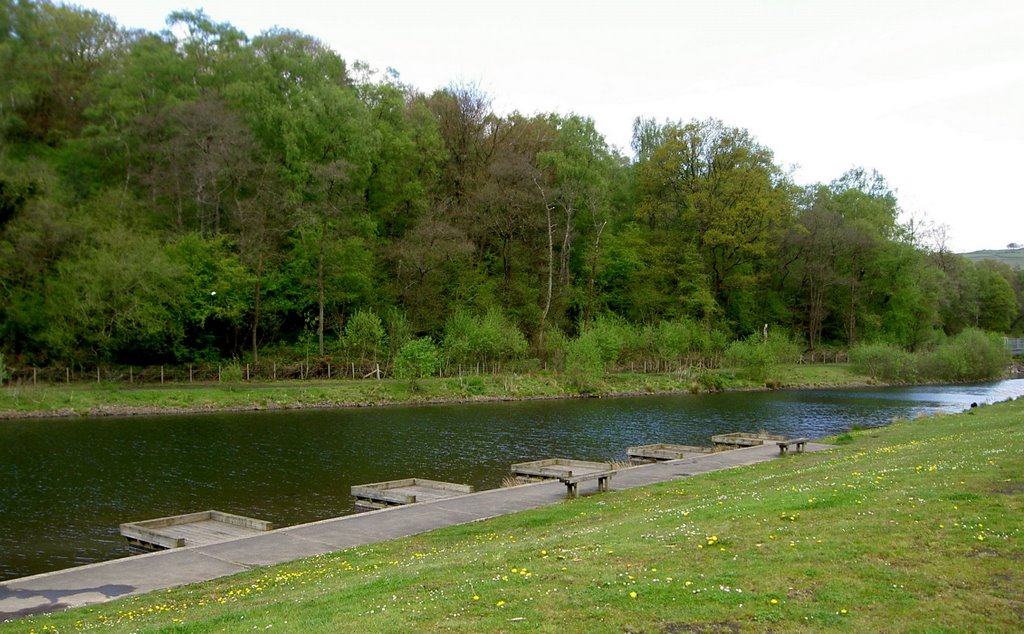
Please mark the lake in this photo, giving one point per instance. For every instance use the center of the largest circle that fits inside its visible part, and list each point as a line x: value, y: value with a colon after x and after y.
x: 69, y: 483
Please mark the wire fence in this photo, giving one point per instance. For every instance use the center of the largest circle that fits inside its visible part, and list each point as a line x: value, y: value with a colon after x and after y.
x: 323, y: 370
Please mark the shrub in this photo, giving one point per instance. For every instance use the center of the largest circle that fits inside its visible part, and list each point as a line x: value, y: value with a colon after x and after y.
x: 710, y: 381
x: 584, y: 363
x: 756, y: 358
x: 554, y: 348
x: 488, y: 339
x: 364, y: 336
x: 231, y: 372
x: 417, y: 359
x: 972, y: 355
x: 677, y: 341
x: 884, y: 361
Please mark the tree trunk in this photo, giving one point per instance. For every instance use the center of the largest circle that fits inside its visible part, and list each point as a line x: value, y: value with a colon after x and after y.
x: 256, y: 322
x: 592, y: 282
x: 320, y: 288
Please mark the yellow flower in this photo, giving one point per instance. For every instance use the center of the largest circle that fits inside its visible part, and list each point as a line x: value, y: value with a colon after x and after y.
x: 476, y: 597
x: 774, y: 601
x: 632, y: 595
x: 500, y: 604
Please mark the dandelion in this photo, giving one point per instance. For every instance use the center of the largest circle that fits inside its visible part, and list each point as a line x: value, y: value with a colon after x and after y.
x: 476, y: 597
x: 774, y: 601
x: 500, y: 604
x: 632, y: 595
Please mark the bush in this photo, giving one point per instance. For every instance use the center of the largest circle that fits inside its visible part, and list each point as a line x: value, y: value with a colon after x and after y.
x: 364, y: 336
x: 554, y: 348
x: 973, y: 355
x: 709, y: 380
x: 488, y: 339
x: 678, y: 341
x: 884, y: 361
x: 584, y: 363
x: 231, y: 372
x: 757, y: 358
x: 417, y: 359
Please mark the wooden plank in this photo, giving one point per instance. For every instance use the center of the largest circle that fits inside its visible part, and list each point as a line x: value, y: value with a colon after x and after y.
x: 553, y: 468
x: 407, y: 491
x: 240, y: 520
x: 663, y: 451
x: 383, y: 495
x: 191, y: 529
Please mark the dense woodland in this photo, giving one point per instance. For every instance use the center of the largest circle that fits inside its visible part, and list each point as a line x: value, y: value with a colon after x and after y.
x: 199, y: 194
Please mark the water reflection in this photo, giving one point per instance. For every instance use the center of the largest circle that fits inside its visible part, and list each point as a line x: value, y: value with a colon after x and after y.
x: 68, y: 484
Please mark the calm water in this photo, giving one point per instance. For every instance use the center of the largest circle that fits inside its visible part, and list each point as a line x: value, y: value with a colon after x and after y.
x: 67, y: 484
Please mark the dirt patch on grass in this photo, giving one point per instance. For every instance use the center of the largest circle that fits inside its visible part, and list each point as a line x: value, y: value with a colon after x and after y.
x: 703, y: 628
x: 1010, y: 488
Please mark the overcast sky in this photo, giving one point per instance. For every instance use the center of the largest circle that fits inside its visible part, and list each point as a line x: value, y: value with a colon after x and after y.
x: 929, y: 93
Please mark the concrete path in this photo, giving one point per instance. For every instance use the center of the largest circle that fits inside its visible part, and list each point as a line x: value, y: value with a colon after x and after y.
x: 105, y: 581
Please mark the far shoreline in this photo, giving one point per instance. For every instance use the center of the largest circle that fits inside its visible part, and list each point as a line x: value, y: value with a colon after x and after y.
x: 107, y: 401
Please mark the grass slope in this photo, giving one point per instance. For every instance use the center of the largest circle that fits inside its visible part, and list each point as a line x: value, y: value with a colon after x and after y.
x: 1012, y: 257
x: 912, y: 527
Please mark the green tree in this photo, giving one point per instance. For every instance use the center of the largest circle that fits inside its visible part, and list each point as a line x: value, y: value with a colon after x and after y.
x: 719, y: 193
x: 365, y: 336
x: 114, y: 299
x: 417, y: 359
x: 997, y: 304
x: 59, y: 52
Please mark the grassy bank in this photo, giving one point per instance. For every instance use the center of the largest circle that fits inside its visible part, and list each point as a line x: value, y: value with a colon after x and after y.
x: 107, y: 399
x: 912, y: 527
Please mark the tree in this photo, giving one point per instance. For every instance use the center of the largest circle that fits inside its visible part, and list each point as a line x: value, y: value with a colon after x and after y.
x: 718, y: 192
x: 59, y: 52
x: 364, y: 336
x: 997, y: 304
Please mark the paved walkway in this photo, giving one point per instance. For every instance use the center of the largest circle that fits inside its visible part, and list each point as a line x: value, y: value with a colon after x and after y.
x: 105, y: 581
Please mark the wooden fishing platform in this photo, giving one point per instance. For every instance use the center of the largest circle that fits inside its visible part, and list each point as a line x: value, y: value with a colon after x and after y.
x: 745, y: 439
x: 191, y: 529
x: 380, y: 495
x: 663, y: 451
x: 569, y: 472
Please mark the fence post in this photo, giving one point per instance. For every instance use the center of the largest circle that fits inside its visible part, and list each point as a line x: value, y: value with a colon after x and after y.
x: 275, y: 370
x: 218, y: 374
x: 190, y: 373
x: 97, y: 374
x: 246, y: 371
x: 67, y: 376
x: 328, y: 370
x: 34, y: 370
x: 161, y: 375
x: 131, y: 374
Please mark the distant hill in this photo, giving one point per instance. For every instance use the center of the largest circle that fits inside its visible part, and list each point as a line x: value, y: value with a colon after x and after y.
x: 1013, y: 257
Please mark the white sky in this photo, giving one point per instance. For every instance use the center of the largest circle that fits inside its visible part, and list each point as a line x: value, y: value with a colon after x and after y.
x: 928, y: 92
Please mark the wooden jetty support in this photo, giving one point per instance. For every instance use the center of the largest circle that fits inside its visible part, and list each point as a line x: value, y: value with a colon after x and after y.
x: 380, y: 495
x: 663, y: 451
x: 745, y: 439
x: 190, y: 529
x: 569, y: 472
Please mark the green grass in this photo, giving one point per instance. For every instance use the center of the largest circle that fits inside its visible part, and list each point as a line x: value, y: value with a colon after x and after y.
x: 912, y: 527
x: 99, y: 399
